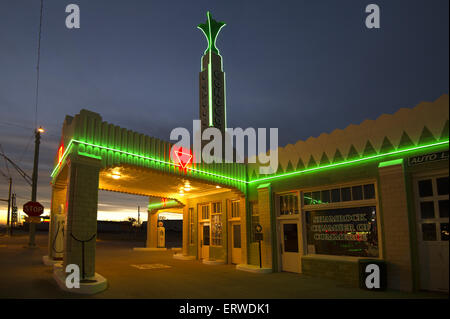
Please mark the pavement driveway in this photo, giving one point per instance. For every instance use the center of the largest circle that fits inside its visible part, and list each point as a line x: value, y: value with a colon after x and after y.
x: 137, y: 274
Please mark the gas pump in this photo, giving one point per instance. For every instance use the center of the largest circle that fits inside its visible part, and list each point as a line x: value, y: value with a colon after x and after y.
x: 161, y: 235
x: 57, y: 225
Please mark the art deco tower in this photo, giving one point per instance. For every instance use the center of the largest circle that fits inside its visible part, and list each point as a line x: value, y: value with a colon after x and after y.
x: 212, y: 79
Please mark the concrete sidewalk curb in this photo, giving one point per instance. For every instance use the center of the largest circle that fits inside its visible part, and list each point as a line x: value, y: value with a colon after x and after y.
x: 148, y: 249
x: 100, y: 285
x: 183, y: 257
x: 213, y: 262
x: 50, y: 262
x: 253, y: 269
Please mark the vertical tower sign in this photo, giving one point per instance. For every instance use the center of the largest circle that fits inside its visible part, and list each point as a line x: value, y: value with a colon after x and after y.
x: 212, y: 79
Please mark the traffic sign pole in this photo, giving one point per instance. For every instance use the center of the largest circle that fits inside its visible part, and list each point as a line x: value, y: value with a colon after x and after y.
x: 8, y: 222
x: 33, y: 210
x: 260, y: 262
x: 259, y: 237
x: 37, y: 141
x: 13, y: 213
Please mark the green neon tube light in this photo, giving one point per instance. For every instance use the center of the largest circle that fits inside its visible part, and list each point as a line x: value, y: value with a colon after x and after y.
x: 225, y: 100
x: 140, y: 156
x: 390, y: 163
x: 314, y: 201
x: 62, y: 158
x: 166, y: 204
x: 211, y: 30
x: 210, y: 91
x: 368, y: 158
x: 364, y: 159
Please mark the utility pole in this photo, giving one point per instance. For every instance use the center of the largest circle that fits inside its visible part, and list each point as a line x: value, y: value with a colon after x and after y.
x: 139, y: 215
x: 8, y: 201
x: 8, y: 221
x: 13, y: 213
x: 12, y: 198
x: 37, y: 141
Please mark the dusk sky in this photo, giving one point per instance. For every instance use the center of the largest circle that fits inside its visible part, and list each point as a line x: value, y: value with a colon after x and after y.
x: 305, y: 67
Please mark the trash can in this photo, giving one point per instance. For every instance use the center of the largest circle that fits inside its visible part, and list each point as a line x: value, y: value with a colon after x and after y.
x: 372, y: 274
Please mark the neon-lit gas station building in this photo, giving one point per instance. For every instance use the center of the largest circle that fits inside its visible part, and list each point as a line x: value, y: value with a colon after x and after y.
x: 377, y: 190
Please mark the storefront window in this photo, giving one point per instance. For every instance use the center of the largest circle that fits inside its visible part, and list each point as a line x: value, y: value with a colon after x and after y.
x: 425, y: 188
x: 427, y: 210
x: 255, y: 218
x: 432, y: 209
x: 205, y: 212
x: 343, y: 232
x: 191, y: 226
x: 216, y: 224
x: 357, y: 193
x: 346, y: 194
x: 216, y: 230
x: 326, y: 196
x: 235, y: 209
x: 369, y: 191
x: 336, y: 195
x: 216, y: 207
x: 289, y: 204
x: 443, y: 208
x: 429, y: 232
x: 442, y: 185
x: 444, y: 231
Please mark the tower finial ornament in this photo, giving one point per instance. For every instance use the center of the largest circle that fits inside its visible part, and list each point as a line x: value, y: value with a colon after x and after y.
x: 211, y: 30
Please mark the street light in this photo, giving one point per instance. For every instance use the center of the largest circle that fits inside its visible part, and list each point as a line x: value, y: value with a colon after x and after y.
x: 115, y: 175
x: 37, y: 141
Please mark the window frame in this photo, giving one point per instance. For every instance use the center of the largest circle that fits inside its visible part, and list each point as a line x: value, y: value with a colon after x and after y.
x: 212, y: 216
x: 237, y: 202
x: 200, y: 212
x: 342, y: 205
x: 253, y: 216
x: 191, y: 226
x: 278, y: 200
x: 435, y: 198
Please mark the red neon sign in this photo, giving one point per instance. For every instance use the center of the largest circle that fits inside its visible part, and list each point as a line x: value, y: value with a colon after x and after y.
x: 60, y: 154
x: 181, y: 156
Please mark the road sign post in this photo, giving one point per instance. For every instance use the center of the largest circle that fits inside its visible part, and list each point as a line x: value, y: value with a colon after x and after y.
x: 37, y: 141
x: 259, y: 238
x: 33, y: 210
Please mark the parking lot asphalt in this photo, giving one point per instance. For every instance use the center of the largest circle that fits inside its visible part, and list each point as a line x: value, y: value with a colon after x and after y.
x: 140, y: 274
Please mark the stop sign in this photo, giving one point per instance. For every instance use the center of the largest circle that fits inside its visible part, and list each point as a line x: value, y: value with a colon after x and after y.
x: 33, y: 209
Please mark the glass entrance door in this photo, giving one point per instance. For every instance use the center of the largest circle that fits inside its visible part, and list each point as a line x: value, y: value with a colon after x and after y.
x: 290, y: 256
x: 432, y: 196
x: 205, y: 240
x: 236, y: 243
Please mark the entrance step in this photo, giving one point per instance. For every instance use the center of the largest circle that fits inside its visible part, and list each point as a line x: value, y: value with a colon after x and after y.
x: 50, y: 261
x: 253, y: 269
x: 183, y: 257
x: 148, y: 249
x: 97, y: 284
x: 213, y: 262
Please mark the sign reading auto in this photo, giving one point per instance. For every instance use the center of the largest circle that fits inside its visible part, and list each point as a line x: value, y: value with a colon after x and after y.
x: 33, y: 209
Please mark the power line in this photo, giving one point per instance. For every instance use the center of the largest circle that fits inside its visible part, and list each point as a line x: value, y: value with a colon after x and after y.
x: 6, y: 162
x: 24, y: 175
x: 26, y: 149
x: 37, y: 66
x: 4, y: 175
x: 16, y: 125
